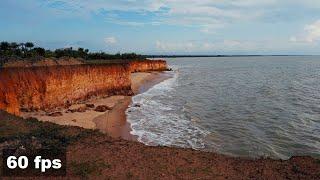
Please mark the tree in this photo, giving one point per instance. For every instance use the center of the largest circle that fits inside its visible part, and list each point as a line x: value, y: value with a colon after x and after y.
x: 14, y: 49
x: 40, y: 51
x: 80, y: 49
x: 4, y: 46
x: 22, y: 49
x: 28, y: 50
x: 29, y: 45
x: 14, y: 46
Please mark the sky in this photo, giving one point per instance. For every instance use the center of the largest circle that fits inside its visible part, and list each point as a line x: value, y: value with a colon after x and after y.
x: 166, y: 26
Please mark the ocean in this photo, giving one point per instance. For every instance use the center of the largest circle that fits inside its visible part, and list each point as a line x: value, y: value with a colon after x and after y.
x: 266, y: 106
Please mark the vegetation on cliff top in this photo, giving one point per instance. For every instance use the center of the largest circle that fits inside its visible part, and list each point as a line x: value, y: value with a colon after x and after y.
x: 28, y: 51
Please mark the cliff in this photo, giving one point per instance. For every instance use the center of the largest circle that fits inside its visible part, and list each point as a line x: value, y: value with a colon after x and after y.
x: 148, y: 65
x: 46, y: 87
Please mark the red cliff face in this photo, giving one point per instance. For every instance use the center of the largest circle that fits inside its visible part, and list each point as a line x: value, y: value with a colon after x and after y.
x: 48, y: 87
x: 43, y: 88
x: 148, y: 65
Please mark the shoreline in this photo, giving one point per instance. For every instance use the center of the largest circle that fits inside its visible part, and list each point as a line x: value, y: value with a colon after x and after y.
x: 113, y: 121
x: 99, y: 156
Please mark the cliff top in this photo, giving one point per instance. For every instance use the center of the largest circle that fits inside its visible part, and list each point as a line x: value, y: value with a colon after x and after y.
x: 44, y: 62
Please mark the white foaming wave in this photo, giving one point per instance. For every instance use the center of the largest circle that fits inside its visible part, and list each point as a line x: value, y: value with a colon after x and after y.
x: 160, y: 122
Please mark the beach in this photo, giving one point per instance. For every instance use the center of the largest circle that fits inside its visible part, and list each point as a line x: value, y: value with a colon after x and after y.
x: 112, y: 121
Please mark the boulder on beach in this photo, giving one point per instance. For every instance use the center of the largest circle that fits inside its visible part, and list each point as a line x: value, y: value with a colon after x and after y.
x: 102, y: 108
x: 77, y: 108
x: 90, y: 105
x: 137, y: 105
x: 55, y: 114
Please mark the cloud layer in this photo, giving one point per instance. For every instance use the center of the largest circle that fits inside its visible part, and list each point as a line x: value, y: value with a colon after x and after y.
x: 208, y: 15
x: 311, y: 34
x: 110, y: 40
x: 156, y: 26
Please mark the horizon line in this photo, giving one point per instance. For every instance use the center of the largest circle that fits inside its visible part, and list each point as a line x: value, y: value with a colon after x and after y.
x: 236, y: 55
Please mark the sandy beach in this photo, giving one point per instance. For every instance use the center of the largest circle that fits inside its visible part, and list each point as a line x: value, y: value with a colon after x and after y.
x: 111, y: 121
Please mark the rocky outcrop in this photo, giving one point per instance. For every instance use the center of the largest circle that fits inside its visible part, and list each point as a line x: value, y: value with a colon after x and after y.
x: 47, y: 87
x: 148, y: 65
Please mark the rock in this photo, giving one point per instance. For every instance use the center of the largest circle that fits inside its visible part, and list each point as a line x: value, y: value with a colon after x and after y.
x: 102, y: 108
x: 90, y: 105
x: 137, y: 105
x: 77, y: 108
x: 81, y: 109
x: 55, y: 114
x: 74, y: 120
x: 24, y: 110
x: 68, y: 111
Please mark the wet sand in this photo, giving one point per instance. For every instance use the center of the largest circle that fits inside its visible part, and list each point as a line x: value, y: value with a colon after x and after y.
x: 112, y: 122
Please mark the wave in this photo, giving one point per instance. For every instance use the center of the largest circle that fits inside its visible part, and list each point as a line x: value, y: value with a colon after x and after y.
x: 160, y: 119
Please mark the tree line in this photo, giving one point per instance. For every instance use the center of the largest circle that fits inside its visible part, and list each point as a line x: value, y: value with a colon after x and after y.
x: 29, y: 50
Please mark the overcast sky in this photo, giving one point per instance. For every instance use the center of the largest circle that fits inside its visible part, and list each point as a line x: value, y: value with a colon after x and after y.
x: 166, y: 26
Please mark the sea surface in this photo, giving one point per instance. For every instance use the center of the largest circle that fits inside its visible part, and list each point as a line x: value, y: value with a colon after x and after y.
x: 239, y: 106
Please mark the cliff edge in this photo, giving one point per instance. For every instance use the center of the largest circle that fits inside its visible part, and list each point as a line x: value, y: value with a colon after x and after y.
x: 47, y: 87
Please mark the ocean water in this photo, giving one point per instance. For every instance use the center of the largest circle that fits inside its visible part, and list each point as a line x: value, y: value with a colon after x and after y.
x: 239, y: 106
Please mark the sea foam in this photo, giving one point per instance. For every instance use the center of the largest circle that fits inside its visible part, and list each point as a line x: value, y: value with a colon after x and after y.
x: 161, y: 121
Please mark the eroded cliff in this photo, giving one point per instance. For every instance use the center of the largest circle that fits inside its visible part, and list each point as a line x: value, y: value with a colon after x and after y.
x: 42, y: 88
x: 47, y: 87
x: 148, y: 65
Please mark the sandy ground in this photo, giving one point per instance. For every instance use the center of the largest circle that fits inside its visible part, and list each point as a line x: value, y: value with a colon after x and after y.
x: 112, y: 122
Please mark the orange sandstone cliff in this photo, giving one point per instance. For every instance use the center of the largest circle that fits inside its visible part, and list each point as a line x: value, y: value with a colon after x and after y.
x: 47, y: 87
x: 148, y: 65
x: 43, y: 88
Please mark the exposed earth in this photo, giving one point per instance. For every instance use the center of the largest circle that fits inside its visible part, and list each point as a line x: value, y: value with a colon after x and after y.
x: 94, y: 155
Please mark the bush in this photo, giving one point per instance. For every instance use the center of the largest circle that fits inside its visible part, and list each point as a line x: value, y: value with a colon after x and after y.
x: 28, y: 50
